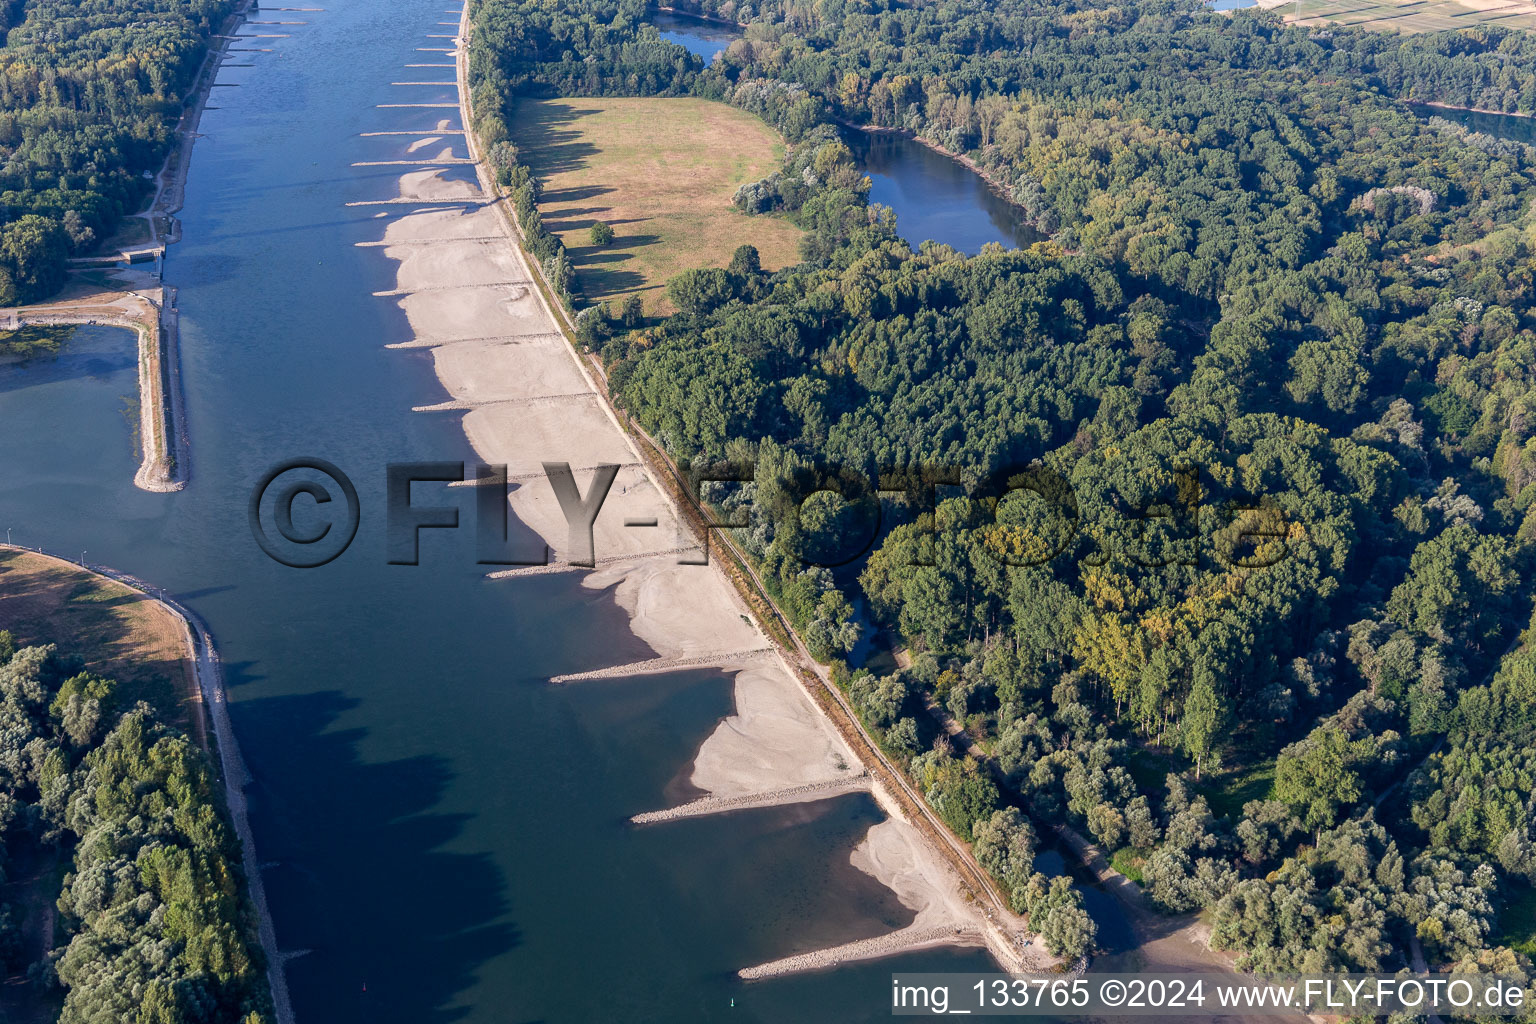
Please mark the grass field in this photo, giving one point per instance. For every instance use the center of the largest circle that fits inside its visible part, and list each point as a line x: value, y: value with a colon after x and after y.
x: 120, y: 633
x: 1409, y: 16
x: 660, y: 172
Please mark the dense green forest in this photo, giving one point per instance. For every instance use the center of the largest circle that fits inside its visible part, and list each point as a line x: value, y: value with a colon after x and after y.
x: 1209, y: 522
x: 153, y: 925
x: 90, y: 92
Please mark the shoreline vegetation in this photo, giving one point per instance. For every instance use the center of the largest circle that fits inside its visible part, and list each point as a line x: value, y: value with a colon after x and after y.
x: 96, y: 161
x: 700, y: 16
x: 1002, y: 929
x: 63, y: 602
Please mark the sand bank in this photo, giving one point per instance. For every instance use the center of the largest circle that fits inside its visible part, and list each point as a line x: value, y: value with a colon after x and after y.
x: 526, y: 400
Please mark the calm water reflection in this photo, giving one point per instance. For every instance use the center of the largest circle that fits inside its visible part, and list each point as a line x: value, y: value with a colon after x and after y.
x: 707, y: 39
x: 1503, y: 126
x: 935, y: 197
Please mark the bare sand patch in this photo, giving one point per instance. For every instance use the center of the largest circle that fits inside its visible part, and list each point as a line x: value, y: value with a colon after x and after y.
x: 770, y: 737
x: 896, y: 854
x: 495, y: 372
x: 473, y: 314
x: 435, y: 225
x: 430, y: 186
x: 469, y: 263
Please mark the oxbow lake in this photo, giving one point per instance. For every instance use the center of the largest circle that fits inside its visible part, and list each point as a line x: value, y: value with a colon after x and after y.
x: 934, y: 196
x: 700, y: 36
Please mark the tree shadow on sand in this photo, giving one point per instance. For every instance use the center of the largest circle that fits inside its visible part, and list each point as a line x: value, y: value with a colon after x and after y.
x: 392, y: 926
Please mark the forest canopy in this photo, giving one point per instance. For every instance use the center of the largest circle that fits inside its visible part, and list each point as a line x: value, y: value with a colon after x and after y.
x: 152, y: 923
x: 90, y: 93
x: 1263, y: 412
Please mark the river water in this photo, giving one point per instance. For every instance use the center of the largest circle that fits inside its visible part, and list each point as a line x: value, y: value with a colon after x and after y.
x: 443, y: 834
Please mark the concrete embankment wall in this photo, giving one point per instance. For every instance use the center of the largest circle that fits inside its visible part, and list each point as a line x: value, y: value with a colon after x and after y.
x: 162, y: 437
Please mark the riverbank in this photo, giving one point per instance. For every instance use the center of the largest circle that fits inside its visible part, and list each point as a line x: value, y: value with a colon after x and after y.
x: 501, y: 352
x: 679, y: 12
x: 171, y: 181
x: 202, y: 660
x: 118, y: 631
x: 1469, y: 110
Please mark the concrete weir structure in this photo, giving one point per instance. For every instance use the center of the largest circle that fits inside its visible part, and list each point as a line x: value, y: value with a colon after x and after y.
x: 150, y: 312
x: 527, y: 398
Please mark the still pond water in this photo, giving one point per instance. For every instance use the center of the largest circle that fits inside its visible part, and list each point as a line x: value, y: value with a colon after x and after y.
x: 703, y: 38
x: 934, y: 197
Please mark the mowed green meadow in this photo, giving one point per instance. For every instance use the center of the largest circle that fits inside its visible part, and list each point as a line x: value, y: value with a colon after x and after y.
x: 661, y: 172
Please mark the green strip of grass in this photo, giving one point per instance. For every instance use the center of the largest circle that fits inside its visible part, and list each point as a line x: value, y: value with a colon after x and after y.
x: 1129, y: 862
x: 33, y: 342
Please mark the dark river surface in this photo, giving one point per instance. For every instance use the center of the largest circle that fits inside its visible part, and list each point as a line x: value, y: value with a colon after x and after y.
x: 442, y: 833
